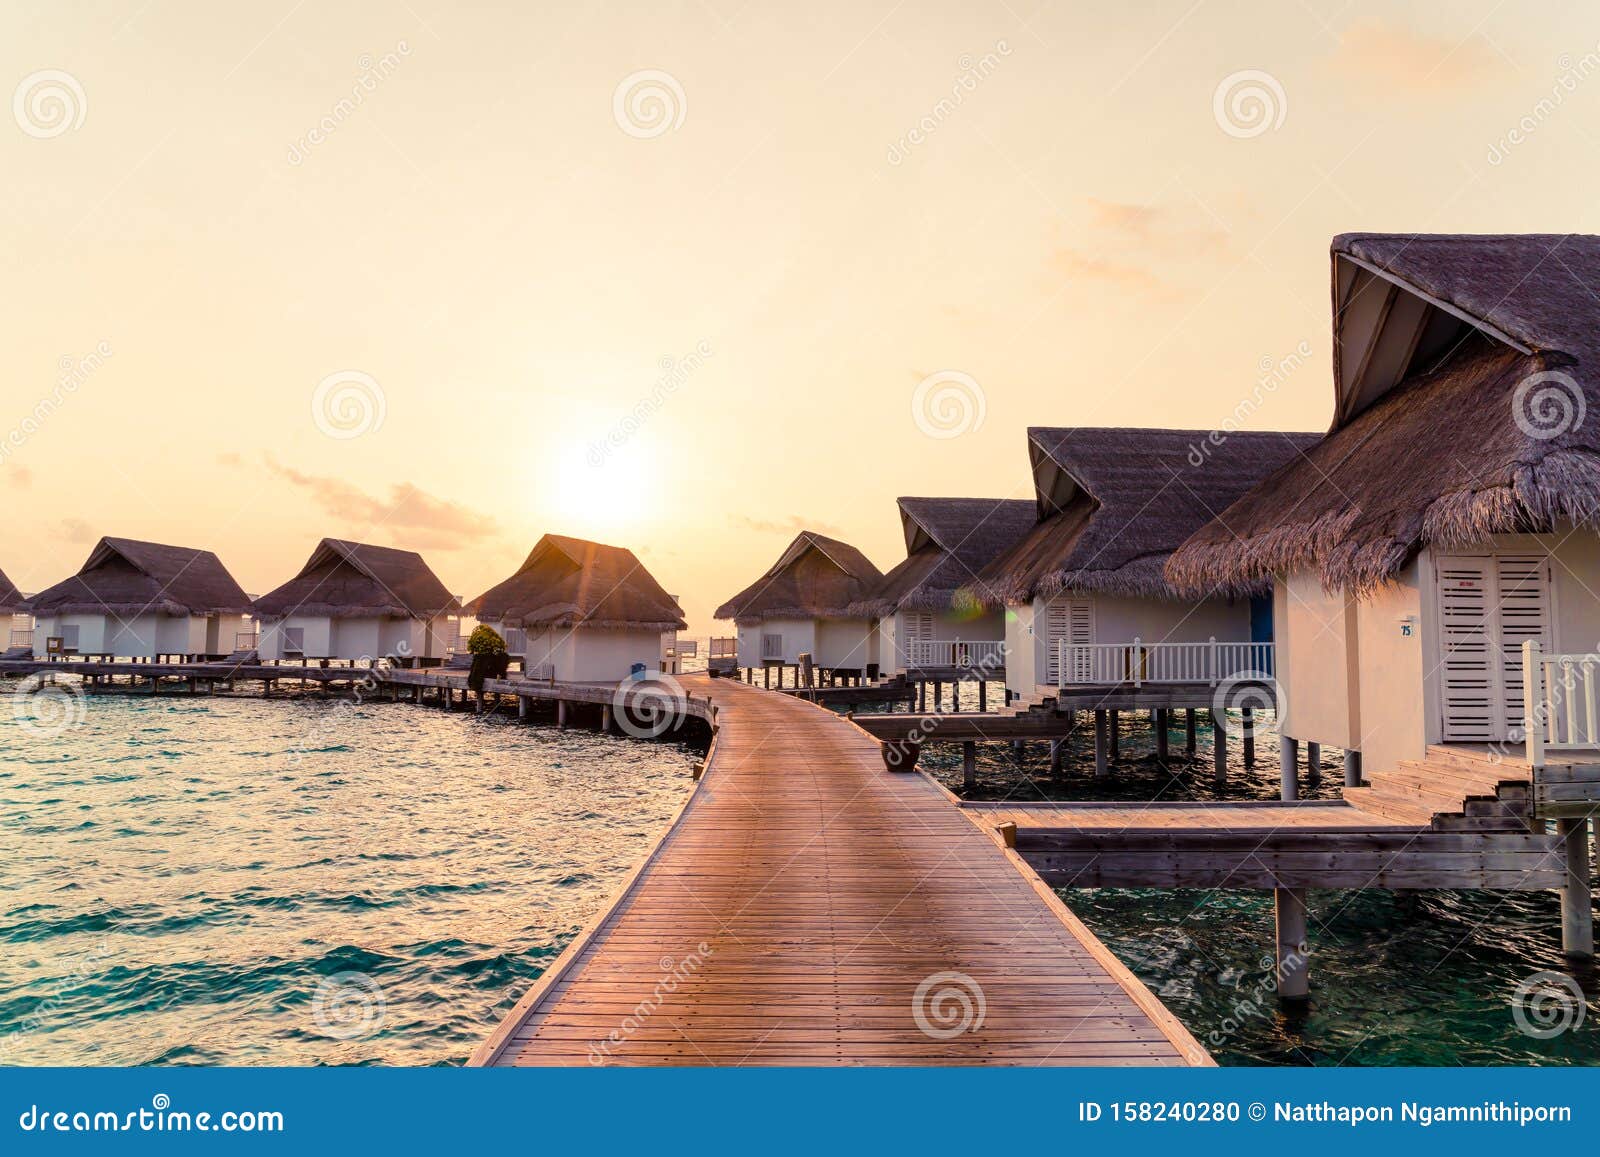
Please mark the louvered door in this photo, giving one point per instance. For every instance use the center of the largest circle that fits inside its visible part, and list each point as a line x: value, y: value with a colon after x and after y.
x: 1488, y: 606
x: 1070, y: 621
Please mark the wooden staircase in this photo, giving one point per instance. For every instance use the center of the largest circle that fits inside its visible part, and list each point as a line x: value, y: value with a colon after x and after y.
x: 1451, y: 789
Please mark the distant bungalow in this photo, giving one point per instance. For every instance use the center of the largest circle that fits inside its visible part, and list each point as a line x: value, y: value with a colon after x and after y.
x: 1447, y: 518
x: 352, y: 601
x: 142, y: 600
x: 14, y: 614
x: 580, y: 611
x: 1087, y: 580
x: 804, y: 604
x: 919, y: 624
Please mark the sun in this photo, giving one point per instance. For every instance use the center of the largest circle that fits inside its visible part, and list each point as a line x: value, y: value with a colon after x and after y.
x: 603, y: 486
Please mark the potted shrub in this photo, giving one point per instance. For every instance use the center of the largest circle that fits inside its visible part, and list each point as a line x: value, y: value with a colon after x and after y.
x: 490, y: 659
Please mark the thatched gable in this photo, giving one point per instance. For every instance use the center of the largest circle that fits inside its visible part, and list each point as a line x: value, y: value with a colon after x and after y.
x: 1466, y: 406
x: 816, y: 577
x: 11, y: 600
x: 948, y: 541
x: 125, y: 577
x: 571, y: 582
x: 1113, y: 503
x: 353, y: 579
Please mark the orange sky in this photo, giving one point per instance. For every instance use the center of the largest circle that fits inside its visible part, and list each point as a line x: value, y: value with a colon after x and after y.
x: 695, y: 325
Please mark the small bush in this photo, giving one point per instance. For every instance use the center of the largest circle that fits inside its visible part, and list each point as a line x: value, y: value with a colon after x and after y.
x: 486, y: 640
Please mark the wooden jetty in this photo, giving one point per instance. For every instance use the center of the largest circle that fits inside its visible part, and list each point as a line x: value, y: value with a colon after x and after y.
x: 807, y: 908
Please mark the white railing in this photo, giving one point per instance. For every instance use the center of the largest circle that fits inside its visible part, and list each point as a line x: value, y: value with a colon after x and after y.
x: 988, y: 654
x: 1559, y: 708
x: 724, y: 647
x: 541, y: 671
x: 21, y: 638
x: 683, y: 648
x: 244, y: 641
x: 1139, y: 662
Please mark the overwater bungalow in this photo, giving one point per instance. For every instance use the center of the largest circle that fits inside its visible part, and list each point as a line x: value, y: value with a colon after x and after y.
x: 1084, y: 595
x: 352, y: 601
x: 1434, y: 557
x: 579, y: 611
x: 142, y: 600
x: 14, y: 616
x: 918, y: 623
x: 803, y: 605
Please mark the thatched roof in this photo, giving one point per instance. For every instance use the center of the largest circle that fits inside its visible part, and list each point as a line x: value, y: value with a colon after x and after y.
x: 816, y: 577
x: 1466, y: 405
x: 349, y: 579
x: 125, y: 577
x: 1113, y: 503
x: 948, y: 541
x: 11, y: 600
x: 570, y: 582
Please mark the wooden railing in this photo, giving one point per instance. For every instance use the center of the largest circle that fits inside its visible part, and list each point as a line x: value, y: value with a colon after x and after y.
x: 988, y: 654
x: 724, y: 647
x: 684, y: 648
x: 1139, y: 662
x: 1559, y: 702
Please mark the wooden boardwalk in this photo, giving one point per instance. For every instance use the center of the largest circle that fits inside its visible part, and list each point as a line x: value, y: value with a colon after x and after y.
x: 809, y: 908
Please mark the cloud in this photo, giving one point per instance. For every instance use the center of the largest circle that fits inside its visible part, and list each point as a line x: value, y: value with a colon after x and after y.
x: 77, y: 530
x: 793, y: 524
x: 405, y: 514
x: 1125, y: 244
x: 1084, y: 266
x: 1401, y: 57
x: 20, y: 477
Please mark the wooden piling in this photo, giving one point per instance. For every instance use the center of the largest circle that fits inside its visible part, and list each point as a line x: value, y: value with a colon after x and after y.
x: 1114, y: 726
x: 1293, y: 952
x: 983, y: 695
x: 1159, y: 718
x: 1101, y: 763
x: 1577, y: 909
x: 1352, y: 769
x: 1189, y: 732
x: 1247, y: 735
x: 969, y: 765
x: 1057, y: 748
x: 605, y: 718
x: 1288, y: 760
x: 522, y: 708
x: 1313, y: 763
x: 1219, y: 750
x: 561, y: 713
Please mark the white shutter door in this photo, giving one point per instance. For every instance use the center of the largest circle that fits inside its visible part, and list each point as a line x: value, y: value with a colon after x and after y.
x: 1523, y: 604
x: 1055, y: 630
x: 1467, y: 673
x: 1080, y: 632
x: 1070, y: 621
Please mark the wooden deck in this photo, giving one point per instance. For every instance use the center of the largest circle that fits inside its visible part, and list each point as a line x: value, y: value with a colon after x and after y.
x: 797, y: 904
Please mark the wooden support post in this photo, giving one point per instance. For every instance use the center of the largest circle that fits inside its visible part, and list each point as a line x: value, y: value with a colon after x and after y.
x: 983, y: 695
x: 1577, y: 909
x: 938, y: 695
x: 766, y: 676
x: 478, y: 702
x: 1056, y: 749
x: 1293, y: 953
x: 561, y: 713
x: 1189, y: 731
x: 1352, y: 769
x: 1101, y: 763
x: 1247, y: 737
x: 1017, y: 749
x: 1313, y: 763
x: 1159, y: 718
x: 955, y: 696
x: 522, y: 708
x: 1114, y: 725
x: 605, y: 718
x: 1288, y: 759
x: 969, y: 765
x: 1219, y: 749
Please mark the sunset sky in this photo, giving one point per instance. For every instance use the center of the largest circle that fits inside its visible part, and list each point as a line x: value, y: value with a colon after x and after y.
x: 695, y: 326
